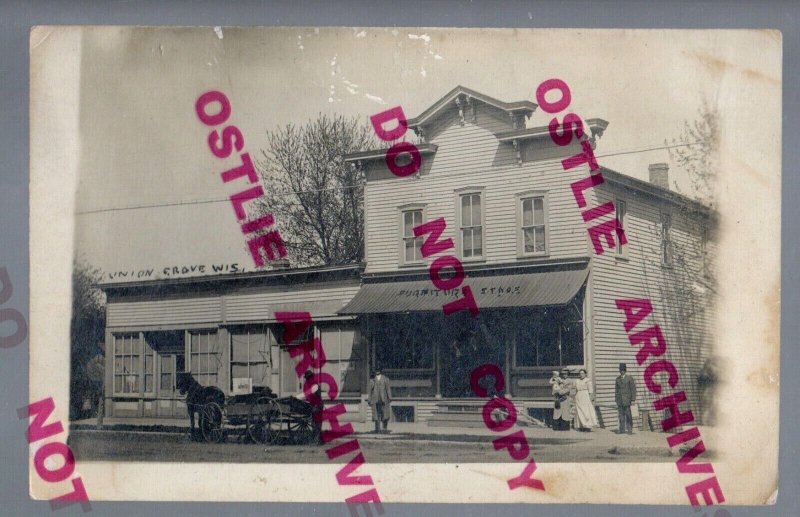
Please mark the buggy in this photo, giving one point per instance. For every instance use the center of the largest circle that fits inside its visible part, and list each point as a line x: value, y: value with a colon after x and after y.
x: 262, y: 417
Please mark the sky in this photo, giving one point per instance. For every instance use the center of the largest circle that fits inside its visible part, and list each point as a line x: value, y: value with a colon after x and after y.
x: 141, y: 143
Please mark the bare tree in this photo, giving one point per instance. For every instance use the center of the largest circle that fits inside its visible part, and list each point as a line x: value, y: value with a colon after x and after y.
x: 316, y: 198
x: 87, y: 327
x: 698, y: 154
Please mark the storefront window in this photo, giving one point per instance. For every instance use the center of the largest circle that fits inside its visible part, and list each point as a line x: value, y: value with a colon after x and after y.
x: 205, y: 357
x: 128, y: 365
x: 127, y: 352
x: 549, y: 337
x: 403, y: 342
x: 250, y: 355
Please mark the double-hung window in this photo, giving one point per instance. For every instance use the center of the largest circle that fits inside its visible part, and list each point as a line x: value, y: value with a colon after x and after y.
x: 471, y: 222
x: 531, y: 228
x: 534, y: 229
x: 412, y: 246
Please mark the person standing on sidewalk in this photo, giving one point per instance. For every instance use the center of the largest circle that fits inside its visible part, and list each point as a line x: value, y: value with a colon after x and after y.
x: 380, y: 397
x: 625, y: 395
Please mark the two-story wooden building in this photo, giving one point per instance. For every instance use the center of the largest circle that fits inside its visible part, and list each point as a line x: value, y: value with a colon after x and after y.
x: 546, y: 299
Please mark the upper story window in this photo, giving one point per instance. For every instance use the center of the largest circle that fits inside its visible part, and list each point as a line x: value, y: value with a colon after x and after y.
x: 666, y: 242
x: 412, y: 246
x: 622, y: 212
x: 471, y: 225
x: 533, y: 226
x: 532, y: 221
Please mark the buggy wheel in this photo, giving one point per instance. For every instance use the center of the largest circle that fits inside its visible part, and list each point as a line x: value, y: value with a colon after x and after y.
x: 258, y: 419
x: 274, y: 427
x: 302, y: 430
x: 212, y: 423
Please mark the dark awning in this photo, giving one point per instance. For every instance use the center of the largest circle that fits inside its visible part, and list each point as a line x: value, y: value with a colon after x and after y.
x: 516, y: 290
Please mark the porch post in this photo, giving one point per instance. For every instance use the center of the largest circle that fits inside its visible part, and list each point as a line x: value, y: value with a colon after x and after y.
x: 508, y: 343
x: 438, y: 365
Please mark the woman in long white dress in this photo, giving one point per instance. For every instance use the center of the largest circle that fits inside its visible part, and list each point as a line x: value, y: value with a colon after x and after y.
x: 585, y: 417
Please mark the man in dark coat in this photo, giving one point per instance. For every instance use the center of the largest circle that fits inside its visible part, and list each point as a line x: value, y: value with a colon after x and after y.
x: 625, y: 395
x: 380, y: 396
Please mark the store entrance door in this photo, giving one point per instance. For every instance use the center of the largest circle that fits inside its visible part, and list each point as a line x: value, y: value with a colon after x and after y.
x: 465, y: 350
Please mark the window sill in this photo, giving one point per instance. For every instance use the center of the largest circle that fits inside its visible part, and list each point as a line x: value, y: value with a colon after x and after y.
x: 533, y: 257
x: 411, y: 265
x: 622, y: 258
x: 471, y: 260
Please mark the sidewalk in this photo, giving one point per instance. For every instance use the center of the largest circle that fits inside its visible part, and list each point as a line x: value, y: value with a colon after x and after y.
x: 640, y: 443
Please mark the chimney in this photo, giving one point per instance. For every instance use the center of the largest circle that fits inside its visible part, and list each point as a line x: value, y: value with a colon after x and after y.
x: 659, y: 174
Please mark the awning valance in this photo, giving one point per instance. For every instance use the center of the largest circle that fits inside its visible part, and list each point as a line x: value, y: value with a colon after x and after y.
x: 515, y: 290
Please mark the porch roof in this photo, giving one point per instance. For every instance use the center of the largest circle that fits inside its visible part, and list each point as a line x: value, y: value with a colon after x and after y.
x: 514, y: 290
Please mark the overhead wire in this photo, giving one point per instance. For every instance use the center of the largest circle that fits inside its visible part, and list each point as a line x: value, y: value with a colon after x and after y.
x: 344, y: 187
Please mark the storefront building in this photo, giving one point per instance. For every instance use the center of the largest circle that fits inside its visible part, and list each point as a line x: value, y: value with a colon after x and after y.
x: 546, y: 299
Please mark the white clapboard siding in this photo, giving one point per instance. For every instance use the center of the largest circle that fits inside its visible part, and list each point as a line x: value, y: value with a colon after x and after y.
x: 231, y: 308
x: 471, y: 156
x: 164, y: 312
x: 262, y: 305
x: 680, y: 306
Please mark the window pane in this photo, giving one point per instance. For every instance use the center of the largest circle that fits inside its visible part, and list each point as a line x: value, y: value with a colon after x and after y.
x: 528, y: 234
x: 135, y: 368
x: 527, y: 212
x: 409, y: 249
x: 418, y: 248
x: 118, y: 365
x: 476, y: 209
x: 126, y: 345
x: 195, y: 364
x: 477, y: 242
x: 465, y: 212
x: 526, y: 345
x: 148, y: 383
x: 539, y: 239
x: 239, y: 370
x: 117, y: 383
x: 194, y: 341
x: 202, y: 363
x: 258, y: 372
x: 239, y: 345
x: 417, y: 218
x: 166, y: 364
x: 127, y: 367
x: 572, y: 343
x: 148, y: 363
x: 538, y: 210
x: 467, y: 245
x: 166, y: 382
x: 408, y: 224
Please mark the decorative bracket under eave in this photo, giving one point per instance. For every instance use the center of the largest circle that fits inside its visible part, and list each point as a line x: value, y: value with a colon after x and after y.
x: 420, y: 132
x: 518, y: 149
x: 460, y: 110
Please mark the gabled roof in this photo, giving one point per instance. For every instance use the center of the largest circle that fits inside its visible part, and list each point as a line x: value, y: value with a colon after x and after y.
x: 646, y: 187
x: 525, y: 107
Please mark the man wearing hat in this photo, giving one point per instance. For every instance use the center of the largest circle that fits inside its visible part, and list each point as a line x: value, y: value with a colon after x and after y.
x: 625, y: 395
x: 380, y: 396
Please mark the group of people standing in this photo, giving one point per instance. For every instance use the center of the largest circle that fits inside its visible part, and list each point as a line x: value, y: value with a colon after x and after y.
x: 574, y: 400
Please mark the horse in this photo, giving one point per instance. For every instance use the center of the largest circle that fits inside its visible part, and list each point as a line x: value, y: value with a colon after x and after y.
x: 197, y: 396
